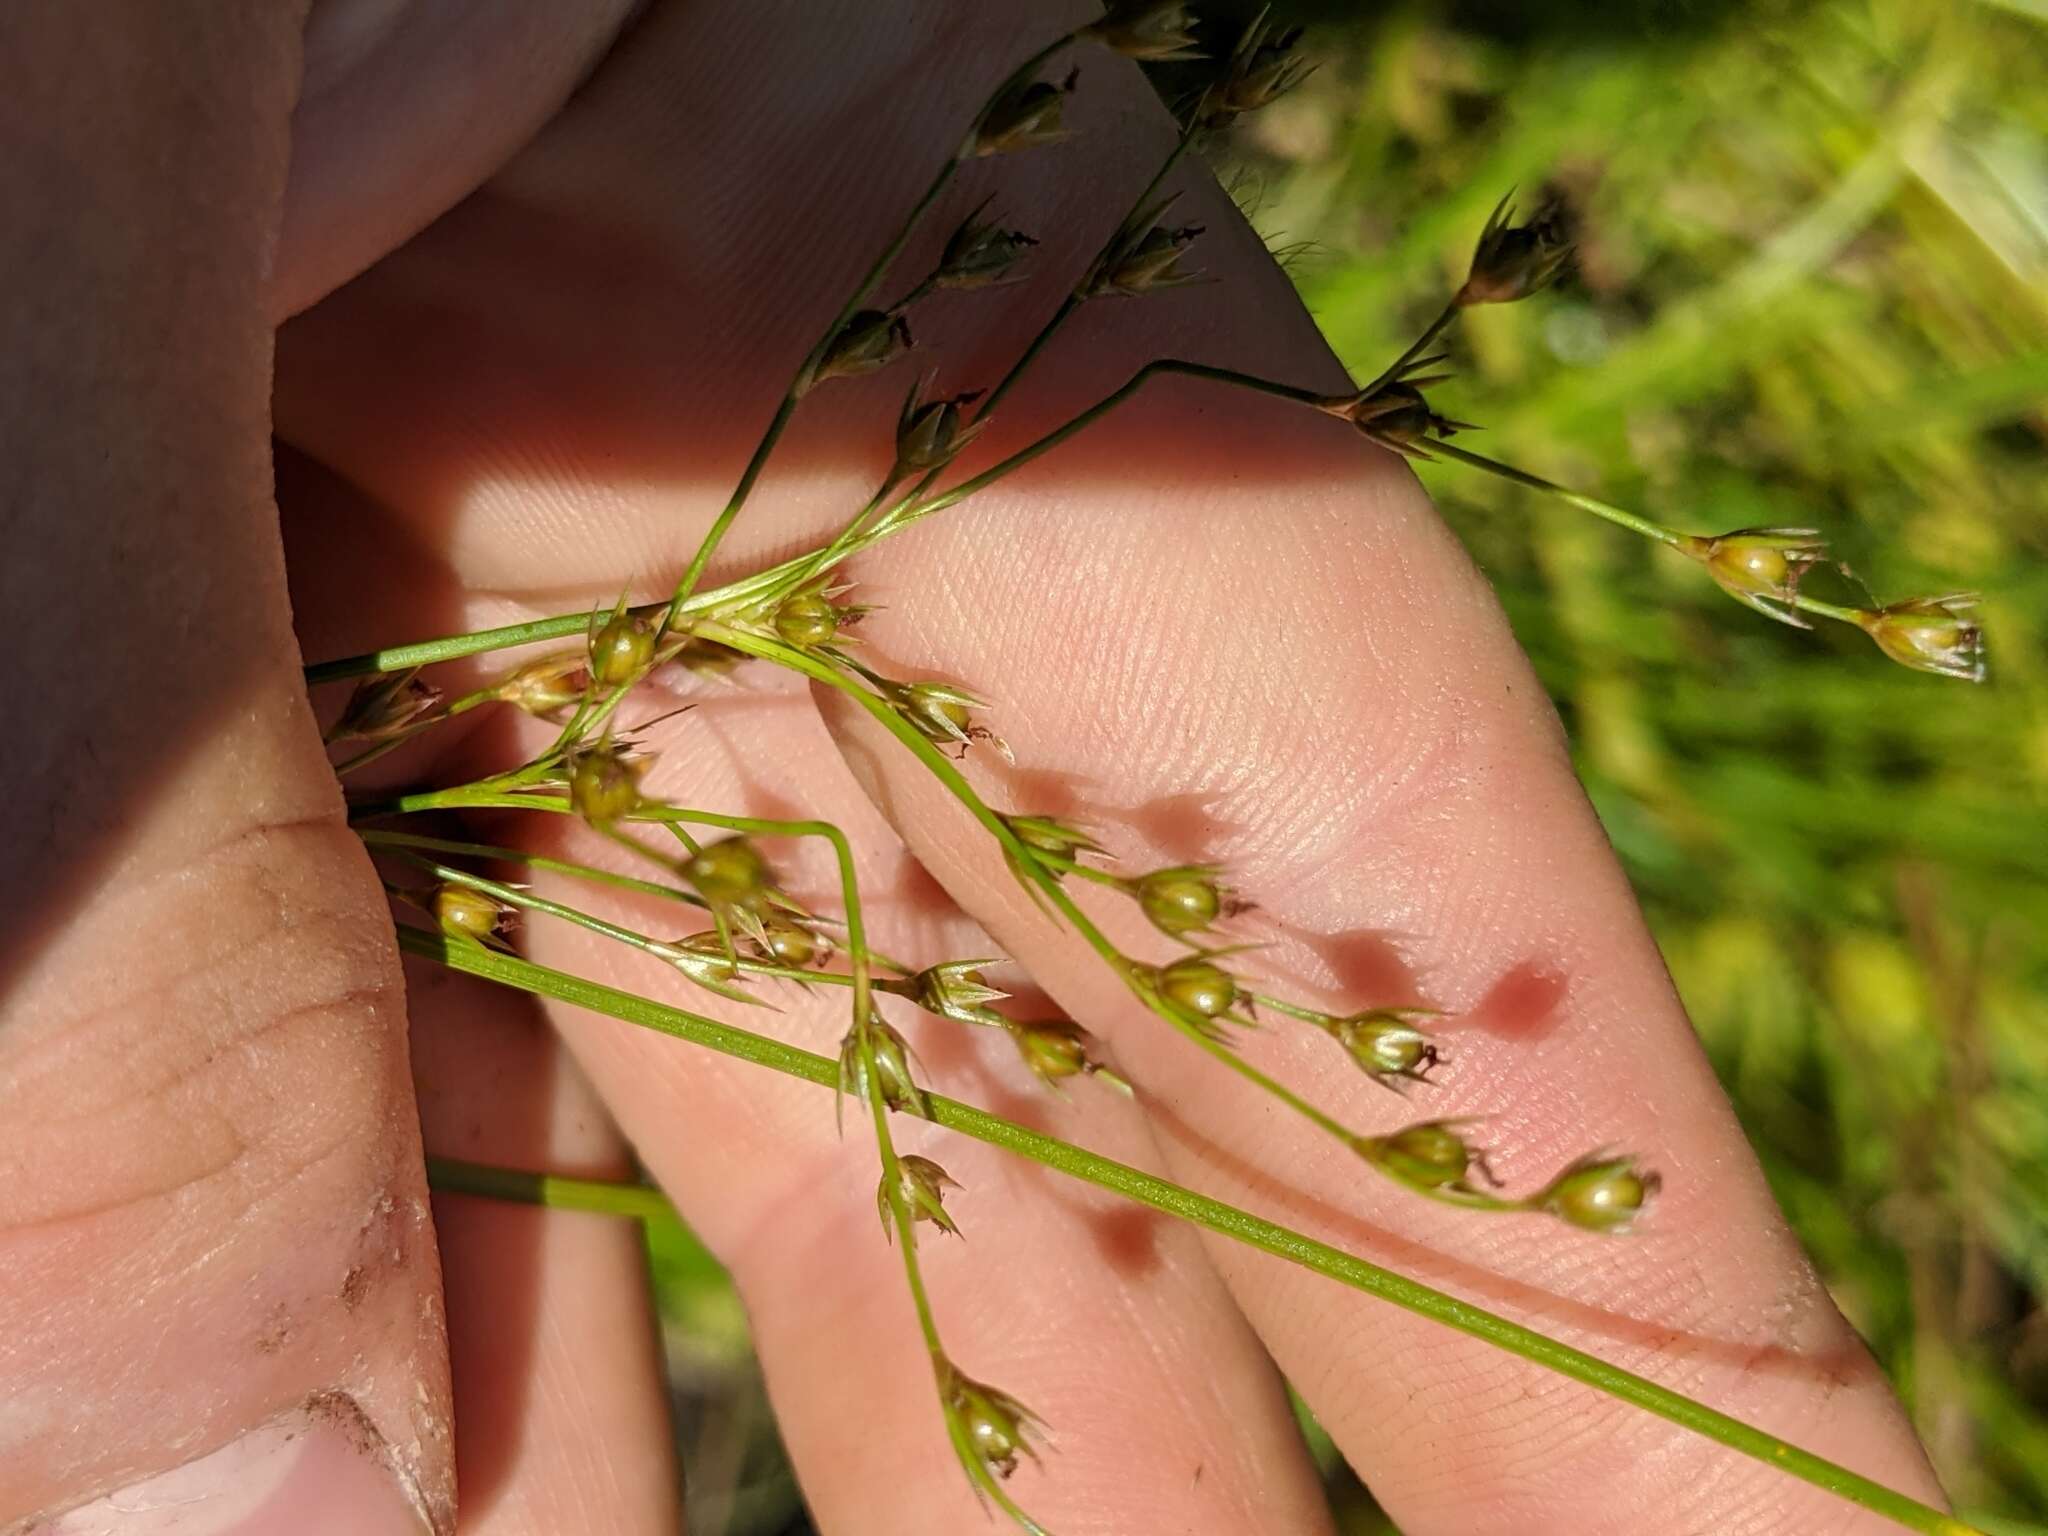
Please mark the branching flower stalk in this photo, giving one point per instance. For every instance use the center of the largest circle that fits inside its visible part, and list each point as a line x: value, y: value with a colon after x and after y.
x: 793, y: 616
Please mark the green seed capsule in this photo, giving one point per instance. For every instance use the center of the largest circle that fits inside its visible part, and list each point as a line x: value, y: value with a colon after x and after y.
x: 807, y: 619
x: 792, y: 944
x: 620, y: 651
x: 1199, y: 986
x: 1180, y: 901
x: 604, y: 786
x: 1602, y: 1195
x: 1430, y: 1155
x: 467, y: 913
x: 729, y: 873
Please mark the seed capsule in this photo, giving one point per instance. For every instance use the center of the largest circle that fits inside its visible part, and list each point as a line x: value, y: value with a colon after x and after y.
x: 998, y: 1426
x: 922, y: 1184
x: 604, y: 785
x: 1181, y: 900
x: 621, y: 650
x: 871, y: 339
x: 1386, y: 1043
x: 467, y: 913
x: 957, y: 990
x: 1262, y: 68
x: 1153, y: 31
x: 545, y: 686
x: 730, y: 873
x: 1512, y: 260
x: 1760, y: 567
x: 980, y: 255
x: 1600, y: 1194
x: 1930, y: 634
x: 1429, y: 1156
x: 385, y: 706
x: 893, y: 1077
x: 1023, y: 118
x: 792, y: 944
x: 807, y: 619
x: 1057, y: 1049
x: 1197, y: 986
x: 930, y: 435
x: 1048, y: 834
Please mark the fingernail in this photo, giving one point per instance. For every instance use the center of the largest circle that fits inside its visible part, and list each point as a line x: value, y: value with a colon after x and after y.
x: 319, y: 1471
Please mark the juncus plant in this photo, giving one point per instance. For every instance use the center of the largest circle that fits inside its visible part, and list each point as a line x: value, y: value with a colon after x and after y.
x: 526, y: 794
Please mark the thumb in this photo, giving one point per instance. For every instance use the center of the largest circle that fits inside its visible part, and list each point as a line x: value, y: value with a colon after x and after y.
x: 219, y: 1298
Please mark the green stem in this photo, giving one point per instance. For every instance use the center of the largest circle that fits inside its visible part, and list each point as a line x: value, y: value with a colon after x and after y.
x: 605, y: 1197
x: 1584, y: 503
x: 1215, y: 1216
x: 378, y: 838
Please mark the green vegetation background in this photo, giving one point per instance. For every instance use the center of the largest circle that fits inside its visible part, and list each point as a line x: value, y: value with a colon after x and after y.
x: 1812, y: 289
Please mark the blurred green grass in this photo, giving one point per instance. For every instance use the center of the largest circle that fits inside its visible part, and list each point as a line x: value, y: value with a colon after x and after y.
x: 1812, y: 289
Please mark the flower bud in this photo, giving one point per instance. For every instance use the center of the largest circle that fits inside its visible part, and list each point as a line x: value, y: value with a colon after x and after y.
x: 385, y: 706
x: 1513, y: 261
x: 921, y: 1183
x: 1182, y: 900
x: 893, y: 1077
x: 1153, y: 31
x: 1023, y: 117
x: 621, y: 650
x: 730, y: 873
x: 1760, y: 567
x: 547, y: 685
x: 871, y: 339
x: 930, y: 435
x: 1261, y: 68
x: 957, y: 990
x: 1600, y: 1194
x: 604, y: 784
x: 1930, y: 634
x: 998, y: 1427
x: 980, y: 255
x: 1428, y: 1156
x: 467, y: 913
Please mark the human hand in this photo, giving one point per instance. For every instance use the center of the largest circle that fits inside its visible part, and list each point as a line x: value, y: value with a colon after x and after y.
x: 1217, y: 628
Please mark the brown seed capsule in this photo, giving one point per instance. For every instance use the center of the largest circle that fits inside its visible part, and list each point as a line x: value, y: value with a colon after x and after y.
x: 1048, y: 834
x: 1930, y: 634
x: 1151, y: 261
x: 1512, y: 260
x: 922, y: 1184
x: 621, y: 650
x: 550, y: 684
x: 1261, y: 68
x: 792, y: 944
x: 957, y: 990
x: 998, y: 1426
x: 871, y: 339
x: 1153, y: 31
x: 1760, y: 567
x: 930, y: 435
x: 1600, y: 1194
x: 730, y: 873
x: 1023, y: 117
x: 382, y: 707
x: 1181, y: 900
x: 980, y: 255
x: 893, y: 1077
x: 467, y: 913
x: 604, y: 784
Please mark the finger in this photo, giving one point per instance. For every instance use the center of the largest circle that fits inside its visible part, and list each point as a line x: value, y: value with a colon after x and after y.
x: 1249, y: 641
x: 213, y: 1228
x: 561, y: 1415
x: 1107, y: 1323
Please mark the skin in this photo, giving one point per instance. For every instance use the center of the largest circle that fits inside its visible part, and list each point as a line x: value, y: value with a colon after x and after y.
x: 1215, y: 627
